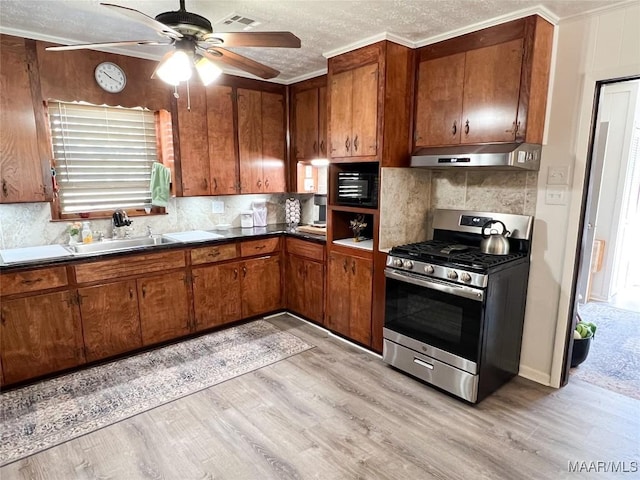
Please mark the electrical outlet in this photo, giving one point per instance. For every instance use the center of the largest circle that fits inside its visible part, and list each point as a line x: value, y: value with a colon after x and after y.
x: 217, y: 206
x: 556, y: 195
x: 558, y: 175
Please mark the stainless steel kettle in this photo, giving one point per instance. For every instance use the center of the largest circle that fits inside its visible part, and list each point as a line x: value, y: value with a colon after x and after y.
x: 495, y: 243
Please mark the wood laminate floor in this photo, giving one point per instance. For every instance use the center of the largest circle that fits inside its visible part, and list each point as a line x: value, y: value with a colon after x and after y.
x: 336, y: 412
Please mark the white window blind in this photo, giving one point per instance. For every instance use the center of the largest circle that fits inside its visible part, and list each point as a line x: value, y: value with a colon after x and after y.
x: 103, y: 156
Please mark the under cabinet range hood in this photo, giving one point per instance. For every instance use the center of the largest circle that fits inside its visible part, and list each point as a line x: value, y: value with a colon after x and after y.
x: 525, y: 156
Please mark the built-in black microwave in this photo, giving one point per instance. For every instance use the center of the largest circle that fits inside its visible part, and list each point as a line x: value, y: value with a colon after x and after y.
x: 357, y: 188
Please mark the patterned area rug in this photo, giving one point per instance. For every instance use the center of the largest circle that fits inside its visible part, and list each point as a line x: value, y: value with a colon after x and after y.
x: 614, y: 356
x: 45, y: 414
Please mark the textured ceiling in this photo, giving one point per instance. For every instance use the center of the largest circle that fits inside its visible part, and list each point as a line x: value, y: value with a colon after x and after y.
x: 322, y: 25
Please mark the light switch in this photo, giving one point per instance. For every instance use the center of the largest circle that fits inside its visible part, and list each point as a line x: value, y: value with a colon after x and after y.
x: 217, y: 206
x: 558, y: 175
x: 556, y: 195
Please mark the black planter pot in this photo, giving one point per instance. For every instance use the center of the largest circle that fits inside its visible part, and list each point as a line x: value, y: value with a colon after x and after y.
x: 580, y: 351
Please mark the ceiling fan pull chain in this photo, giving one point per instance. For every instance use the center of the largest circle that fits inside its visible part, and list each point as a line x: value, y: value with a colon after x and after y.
x: 188, y: 98
x: 175, y: 92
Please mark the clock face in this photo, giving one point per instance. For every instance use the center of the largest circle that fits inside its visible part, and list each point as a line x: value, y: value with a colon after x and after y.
x: 110, y: 77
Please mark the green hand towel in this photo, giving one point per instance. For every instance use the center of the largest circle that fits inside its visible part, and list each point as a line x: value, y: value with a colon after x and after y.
x: 160, y: 185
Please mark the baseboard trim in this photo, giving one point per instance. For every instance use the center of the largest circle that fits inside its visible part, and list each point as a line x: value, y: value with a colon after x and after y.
x: 535, y: 375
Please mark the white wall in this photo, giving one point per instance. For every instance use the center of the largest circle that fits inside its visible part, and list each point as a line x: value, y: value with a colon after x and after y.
x: 602, y: 45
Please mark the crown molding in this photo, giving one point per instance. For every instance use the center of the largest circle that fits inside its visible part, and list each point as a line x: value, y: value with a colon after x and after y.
x: 595, y: 11
x: 492, y: 22
x: 368, y: 41
x: 306, y: 76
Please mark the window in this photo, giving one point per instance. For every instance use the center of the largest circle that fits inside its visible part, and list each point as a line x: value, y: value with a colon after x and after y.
x: 103, y: 157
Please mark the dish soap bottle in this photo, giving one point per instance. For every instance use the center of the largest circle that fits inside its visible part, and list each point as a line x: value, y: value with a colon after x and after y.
x: 87, y: 235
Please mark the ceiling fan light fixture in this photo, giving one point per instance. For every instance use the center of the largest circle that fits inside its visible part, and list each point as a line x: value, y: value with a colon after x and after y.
x: 207, y: 70
x: 175, y: 68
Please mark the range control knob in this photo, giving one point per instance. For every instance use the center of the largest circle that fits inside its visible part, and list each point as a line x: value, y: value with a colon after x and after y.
x: 397, y: 262
x: 465, y: 277
x: 428, y: 268
x: 408, y: 264
x: 452, y: 274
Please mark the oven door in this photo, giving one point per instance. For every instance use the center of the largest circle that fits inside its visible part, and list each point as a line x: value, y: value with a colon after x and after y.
x: 438, y: 318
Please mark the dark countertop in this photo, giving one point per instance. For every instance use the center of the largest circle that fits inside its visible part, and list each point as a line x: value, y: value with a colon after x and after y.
x: 229, y: 235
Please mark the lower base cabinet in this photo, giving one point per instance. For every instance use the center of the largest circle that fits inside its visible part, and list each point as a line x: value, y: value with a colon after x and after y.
x: 349, y: 293
x: 305, y: 288
x: 216, y: 295
x: 164, y: 307
x: 261, y: 289
x: 110, y: 319
x: 40, y: 334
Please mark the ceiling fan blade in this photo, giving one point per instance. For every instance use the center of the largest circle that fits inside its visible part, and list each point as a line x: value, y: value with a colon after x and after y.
x: 253, y: 39
x: 238, y: 61
x: 145, y: 19
x: 102, y: 45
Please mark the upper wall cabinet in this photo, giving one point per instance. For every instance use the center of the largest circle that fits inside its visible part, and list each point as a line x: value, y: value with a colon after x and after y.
x: 208, y: 161
x: 221, y: 157
x: 309, y: 119
x: 484, y: 87
x: 261, y: 141
x: 370, y: 104
x: 24, y: 146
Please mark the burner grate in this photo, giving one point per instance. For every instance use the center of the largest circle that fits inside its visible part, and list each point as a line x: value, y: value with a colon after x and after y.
x: 444, y: 253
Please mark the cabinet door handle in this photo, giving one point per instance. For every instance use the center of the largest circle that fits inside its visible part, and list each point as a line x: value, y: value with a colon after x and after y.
x: 3, y: 319
x: 5, y: 190
x: 321, y: 146
x: 214, y: 254
x: 260, y: 247
x: 355, y: 144
x: 206, y: 183
x: 259, y: 183
x: 315, y: 147
x: 466, y: 128
x: 347, y: 144
x: 454, y: 128
x: 266, y: 183
x: 235, y: 273
x: 353, y: 267
x: 144, y: 291
x: 344, y: 265
x: 31, y: 282
x: 244, y: 272
x: 80, y: 297
x: 215, y: 183
x: 131, y: 294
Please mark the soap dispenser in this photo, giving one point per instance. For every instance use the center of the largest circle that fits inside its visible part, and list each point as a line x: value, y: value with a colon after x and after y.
x: 87, y: 235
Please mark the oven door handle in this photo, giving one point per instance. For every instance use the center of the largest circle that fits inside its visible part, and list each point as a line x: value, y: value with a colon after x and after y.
x: 453, y: 289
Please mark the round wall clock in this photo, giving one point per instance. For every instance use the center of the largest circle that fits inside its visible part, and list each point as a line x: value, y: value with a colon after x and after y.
x: 110, y: 77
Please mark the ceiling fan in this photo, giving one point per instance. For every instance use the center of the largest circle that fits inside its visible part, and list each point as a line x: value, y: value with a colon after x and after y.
x: 196, y: 44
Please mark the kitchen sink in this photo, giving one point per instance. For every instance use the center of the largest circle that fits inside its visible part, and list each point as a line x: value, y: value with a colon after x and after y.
x: 106, y: 246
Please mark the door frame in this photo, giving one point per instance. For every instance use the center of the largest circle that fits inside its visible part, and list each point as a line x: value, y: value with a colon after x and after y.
x: 589, y: 177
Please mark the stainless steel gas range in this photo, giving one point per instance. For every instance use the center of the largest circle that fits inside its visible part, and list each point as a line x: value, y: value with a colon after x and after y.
x: 453, y: 314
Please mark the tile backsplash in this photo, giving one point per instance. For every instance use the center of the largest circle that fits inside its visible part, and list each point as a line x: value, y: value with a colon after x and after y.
x: 29, y: 224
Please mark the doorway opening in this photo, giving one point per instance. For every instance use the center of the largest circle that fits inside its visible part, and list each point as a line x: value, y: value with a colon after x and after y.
x: 607, y: 288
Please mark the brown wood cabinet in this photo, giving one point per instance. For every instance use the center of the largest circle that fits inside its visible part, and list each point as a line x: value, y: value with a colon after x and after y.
x: 349, y: 293
x: 484, y: 87
x: 40, y: 334
x: 261, y: 141
x: 304, y: 279
x: 216, y: 295
x: 24, y: 145
x: 261, y: 285
x: 354, y: 112
x: 164, y: 307
x: 110, y: 319
x: 208, y: 162
x: 309, y: 122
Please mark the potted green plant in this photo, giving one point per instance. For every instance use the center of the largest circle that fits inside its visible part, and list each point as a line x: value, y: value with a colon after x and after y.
x: 582, y: 337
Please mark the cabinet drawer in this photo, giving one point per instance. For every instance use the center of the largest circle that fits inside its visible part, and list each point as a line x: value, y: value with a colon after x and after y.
x: 217, y: 253
x: 127, y: 266
x: 302, y: 248
x: 260, y: 247
x: 33, y: 280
